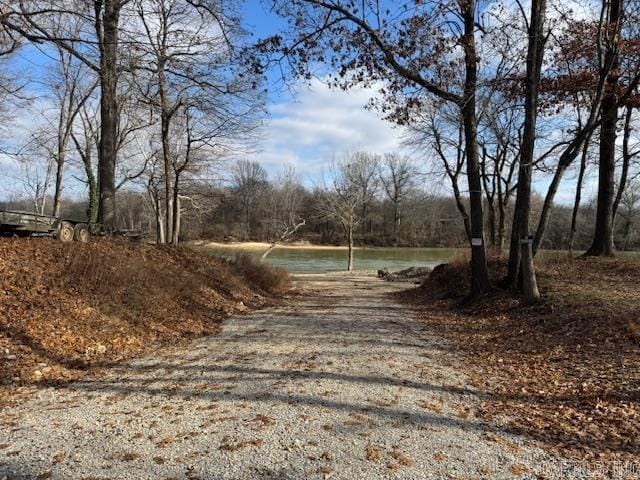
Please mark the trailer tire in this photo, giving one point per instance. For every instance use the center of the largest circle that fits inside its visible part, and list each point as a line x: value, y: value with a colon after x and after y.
x: 81, y: 233
x: 65, y: 232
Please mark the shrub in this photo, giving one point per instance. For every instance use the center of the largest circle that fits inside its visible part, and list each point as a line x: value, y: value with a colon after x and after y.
x: 265, y: 277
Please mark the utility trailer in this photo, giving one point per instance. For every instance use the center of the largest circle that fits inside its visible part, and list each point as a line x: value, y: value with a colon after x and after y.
x: 13, y: 222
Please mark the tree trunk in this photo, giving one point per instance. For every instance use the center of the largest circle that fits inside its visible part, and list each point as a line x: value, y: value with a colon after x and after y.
x: 479, y: 272
x: 396, y: 222
x: 520, y: 233
x: 160, y: 236
x: 492, y: 220
x: 578, y: 197
x: 602, y: 244
x: 529, y: 281
x: 626, y: 162
x: 58, y: 186
x: 165, y: 125
x: 462, y: 209
x: 94, y: 199
x: 175, y: 240
x: 503, y: 198
x: 350, y: 240
x: 501, y: 229
x: 107, y: 31
x: 364, y: 221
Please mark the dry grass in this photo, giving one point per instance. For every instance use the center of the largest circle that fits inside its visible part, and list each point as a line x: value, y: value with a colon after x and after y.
x: 269, y: 279
x: 65, y: 307
x: 565, y: 370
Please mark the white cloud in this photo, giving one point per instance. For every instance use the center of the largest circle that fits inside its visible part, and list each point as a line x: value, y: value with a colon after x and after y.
x: 320, y: 123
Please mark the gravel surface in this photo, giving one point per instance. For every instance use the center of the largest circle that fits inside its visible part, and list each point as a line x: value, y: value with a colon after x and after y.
x: 339, y: 383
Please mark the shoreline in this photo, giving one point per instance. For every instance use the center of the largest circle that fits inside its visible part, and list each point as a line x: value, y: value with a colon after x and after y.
x: 300, y: 246
x: 265, y: 245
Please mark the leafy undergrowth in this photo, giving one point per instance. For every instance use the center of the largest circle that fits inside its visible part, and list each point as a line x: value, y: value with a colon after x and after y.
x: 67, y: 307
x: 565, y: 371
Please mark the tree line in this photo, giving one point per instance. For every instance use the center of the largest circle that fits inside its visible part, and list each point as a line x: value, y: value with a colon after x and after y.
x: 250, y: 205
x: 495, y: 96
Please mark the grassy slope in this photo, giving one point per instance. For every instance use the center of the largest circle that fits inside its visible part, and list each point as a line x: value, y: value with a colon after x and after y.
x: 565, y: 370
x: 64, y: 307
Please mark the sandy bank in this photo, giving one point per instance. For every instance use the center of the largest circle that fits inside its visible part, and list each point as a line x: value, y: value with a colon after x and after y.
x: 264, y: 245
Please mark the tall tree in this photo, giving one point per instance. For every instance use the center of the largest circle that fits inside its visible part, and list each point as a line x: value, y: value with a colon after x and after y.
x: 398, y: 176
x: 341, y: 200
x: 365, y: 170
x: 249, y: 183
x: 57, y: 21
x: 603, y: 235
x: 590, y: 55
x: 521, y: 244
x: 408, y: 49
x: 189, y: 75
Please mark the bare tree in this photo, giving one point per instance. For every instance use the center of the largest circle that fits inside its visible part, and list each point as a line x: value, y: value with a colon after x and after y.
x: 436, y: 128
x: 342, y: 200
x: 97, y: 43
x: 286, y: 195
x: 57, y: 21
x: 85, y: 136
x: 249, y: 183
x: 521, y: 244
x: 398, y: 176
x: 71, y: 86
x: 38, y: 172
x: 588, y: 53
x: 603, y: 235
x: 365, y: 168
x: 190, y: 80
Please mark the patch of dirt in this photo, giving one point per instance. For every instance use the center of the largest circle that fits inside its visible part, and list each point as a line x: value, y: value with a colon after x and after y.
x: 67, y: 307
x: 564, y: 371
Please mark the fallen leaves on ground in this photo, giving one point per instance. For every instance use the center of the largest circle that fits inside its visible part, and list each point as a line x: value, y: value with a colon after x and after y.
x: 563, y: 371
x: 67, y: 307
x: 230, y: 445
x: 373, y: 453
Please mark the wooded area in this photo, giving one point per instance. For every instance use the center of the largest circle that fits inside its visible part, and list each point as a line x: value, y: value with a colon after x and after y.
x: 509, y: 130
x: 157, y: 99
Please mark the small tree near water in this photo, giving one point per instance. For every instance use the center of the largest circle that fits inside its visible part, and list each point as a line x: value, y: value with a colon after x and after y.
x: 342, y: 201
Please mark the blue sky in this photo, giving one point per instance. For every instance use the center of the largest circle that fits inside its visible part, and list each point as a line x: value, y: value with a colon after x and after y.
x: 306, y: 128
x: 313, y: 124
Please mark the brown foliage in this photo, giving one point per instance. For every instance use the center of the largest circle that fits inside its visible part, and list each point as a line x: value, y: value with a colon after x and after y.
x: 564, y: 370
x: 268, y: 279
x: 64, y: 307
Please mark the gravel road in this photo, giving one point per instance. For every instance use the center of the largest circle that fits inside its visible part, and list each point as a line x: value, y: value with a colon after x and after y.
x: 338, y: 383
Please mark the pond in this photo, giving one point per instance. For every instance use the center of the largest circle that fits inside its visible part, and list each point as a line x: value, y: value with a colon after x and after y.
x: 330, y: 259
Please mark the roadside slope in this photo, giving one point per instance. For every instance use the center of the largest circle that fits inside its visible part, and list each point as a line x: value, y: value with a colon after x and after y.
x: 563, y: 371
x: 64, y: 307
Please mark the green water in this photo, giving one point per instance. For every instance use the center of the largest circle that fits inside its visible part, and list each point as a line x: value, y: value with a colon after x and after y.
x: 310, y: 260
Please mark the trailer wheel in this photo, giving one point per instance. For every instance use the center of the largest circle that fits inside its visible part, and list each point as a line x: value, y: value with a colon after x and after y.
x: 65, y: 232
x: 81, y: 233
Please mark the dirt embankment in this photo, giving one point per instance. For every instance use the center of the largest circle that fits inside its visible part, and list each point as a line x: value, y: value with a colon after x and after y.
x: 66, y: 307
x: 566, y: 370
